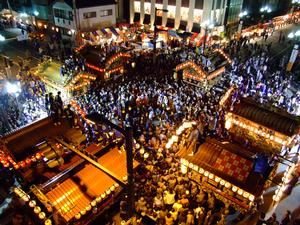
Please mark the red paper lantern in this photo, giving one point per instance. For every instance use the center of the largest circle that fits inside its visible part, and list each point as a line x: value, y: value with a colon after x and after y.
x: 16, y: 167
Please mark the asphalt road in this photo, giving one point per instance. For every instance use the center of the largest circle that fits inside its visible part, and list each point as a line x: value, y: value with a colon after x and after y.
x: 17, y: 51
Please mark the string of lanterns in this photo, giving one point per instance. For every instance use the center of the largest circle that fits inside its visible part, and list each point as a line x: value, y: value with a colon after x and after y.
x: 284, y: 185
x: 216, y: 73
x: 252, y: 128
x: 186, y: 164
x: 220, y: 51
x: 200, y: 72
x: 179, y: 131
x: 87, y: 78
x: 8, y: 161
x: 32, y: 204
x: 116, y: 57
x: 93, y: 204
x: 226, y: 96
x: 77, y: 108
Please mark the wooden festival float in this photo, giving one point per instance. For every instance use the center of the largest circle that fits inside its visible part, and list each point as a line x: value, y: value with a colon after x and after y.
x: 196, y: 75
x: 64, y: 179
x: 113, y: 64
x: 221, y: 168
x: 239, y: 173
x: 268, y: 130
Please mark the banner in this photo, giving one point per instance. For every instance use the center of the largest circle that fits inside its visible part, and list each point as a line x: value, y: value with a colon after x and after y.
x: 292, y: 58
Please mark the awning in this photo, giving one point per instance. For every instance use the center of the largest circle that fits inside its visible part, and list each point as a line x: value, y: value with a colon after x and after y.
x: 99, y: 33
x: 137, y: 17
x: 182, y: 25
x: 146, y: 19
x: 185, y: 34
x: 196, y: 28
x: 173, y: 33
x: 158, y: 20
x: 113, y: 30
x: 170, y: 23
x: 93, y: 36
x: 95, y: 33
x: 103, y: 31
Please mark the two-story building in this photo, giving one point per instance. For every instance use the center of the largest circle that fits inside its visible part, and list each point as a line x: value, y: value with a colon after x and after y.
x: 72, y: 16
x: 187, y: 15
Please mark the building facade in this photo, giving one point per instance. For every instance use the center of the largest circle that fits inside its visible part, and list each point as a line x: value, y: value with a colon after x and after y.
x: 232, y: 19
x: 43, y: 9
x: 185, y: 15
x: 79, y: 15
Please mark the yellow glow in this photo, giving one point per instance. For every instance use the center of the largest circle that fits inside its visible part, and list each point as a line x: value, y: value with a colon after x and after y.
x: 64, y: 196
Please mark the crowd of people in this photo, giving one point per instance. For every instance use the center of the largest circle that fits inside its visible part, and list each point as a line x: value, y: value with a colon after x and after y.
x: 154, y: 102
x: 23, y: 107
x: 150, y: 100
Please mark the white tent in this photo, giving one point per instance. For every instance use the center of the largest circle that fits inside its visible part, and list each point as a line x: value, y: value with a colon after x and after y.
x: 5, y: 12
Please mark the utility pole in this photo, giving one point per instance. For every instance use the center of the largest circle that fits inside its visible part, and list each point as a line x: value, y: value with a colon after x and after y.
x: 99, y: 119
x: 77, y: 24
x: 155, y: 32
x: 155, y: 28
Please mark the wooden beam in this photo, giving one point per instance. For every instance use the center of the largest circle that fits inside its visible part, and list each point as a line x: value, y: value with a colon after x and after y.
x: 93, y: 162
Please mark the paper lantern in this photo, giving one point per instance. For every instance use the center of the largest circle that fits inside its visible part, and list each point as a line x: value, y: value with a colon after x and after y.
x: 37, y: 209
x: 42, y: 215
x: 251, y: 198
x: 201, y: 170
x: 98, y: 199
x: 48, y: 222
x: 227, y: 185
x: 32, y: 203
x: 246, y: 195
x: 83, y: 212
x: 93, y: 203
x: 240, y: 191
x: 88, y: 208
x: 112, y: 188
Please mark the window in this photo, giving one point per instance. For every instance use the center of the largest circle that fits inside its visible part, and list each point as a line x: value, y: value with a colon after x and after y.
x: 107, y: 12
x: 89, y: 15
x: 62, y: 14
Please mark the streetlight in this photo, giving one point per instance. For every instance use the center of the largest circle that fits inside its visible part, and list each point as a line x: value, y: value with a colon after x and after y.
x: 2, y: 38
x: 13, y: 88
x: 206, y: 25
x: 294, y: 35
x: 264, y: 10
x: 241, y: 15
x: 155, y: 29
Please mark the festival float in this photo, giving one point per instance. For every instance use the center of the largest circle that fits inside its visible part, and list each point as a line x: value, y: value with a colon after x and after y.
x: 226, y: 170
x: 105, y: 69
x: 63, y: 179
x: 195, y: 74
x: 267, y: 129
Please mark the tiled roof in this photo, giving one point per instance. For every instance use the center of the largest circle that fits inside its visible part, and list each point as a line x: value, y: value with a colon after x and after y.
x: 274, y: 119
